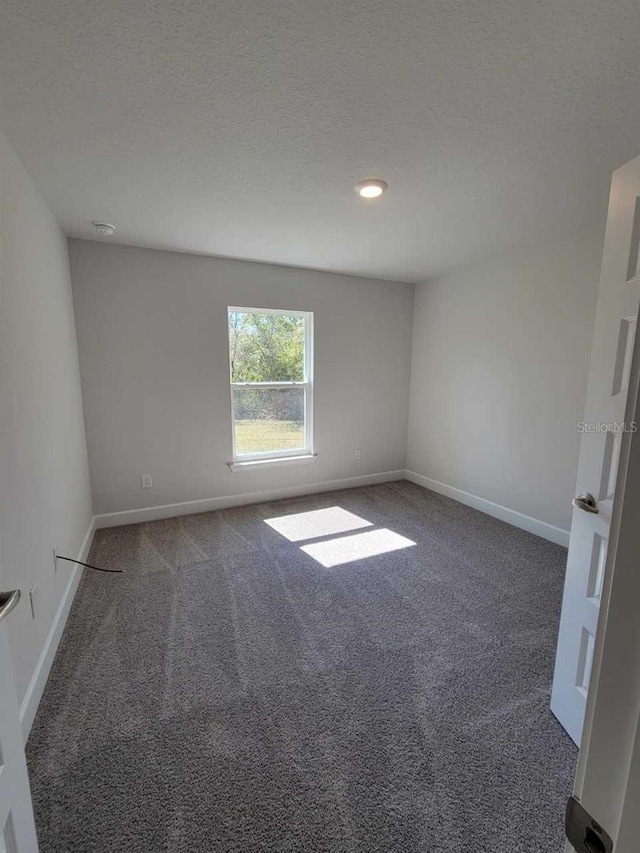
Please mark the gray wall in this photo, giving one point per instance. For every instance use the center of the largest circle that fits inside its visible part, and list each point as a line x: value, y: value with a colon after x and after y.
x: 499, y: 371
x: 45, y: 497
x: 152, y: 336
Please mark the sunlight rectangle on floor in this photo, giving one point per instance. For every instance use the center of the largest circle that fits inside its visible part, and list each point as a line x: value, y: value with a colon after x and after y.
x: 346, y: 549
x: 317, y: 522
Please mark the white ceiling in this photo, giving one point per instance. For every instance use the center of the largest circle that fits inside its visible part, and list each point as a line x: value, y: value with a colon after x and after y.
x: 238, y: 127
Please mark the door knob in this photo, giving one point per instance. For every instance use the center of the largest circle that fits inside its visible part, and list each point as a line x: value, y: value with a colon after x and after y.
x: 587, y: 502
x: 8, y: 601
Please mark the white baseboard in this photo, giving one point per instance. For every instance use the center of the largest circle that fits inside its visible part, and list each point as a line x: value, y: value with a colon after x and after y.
x: 518, y: 519
x: 38, y: 681
x: 41, y: 672
x: 154, y: 513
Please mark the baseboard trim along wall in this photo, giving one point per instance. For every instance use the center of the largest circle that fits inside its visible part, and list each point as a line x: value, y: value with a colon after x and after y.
x: 41, y: 672
x: 155, y: 513
x: 518, y: 519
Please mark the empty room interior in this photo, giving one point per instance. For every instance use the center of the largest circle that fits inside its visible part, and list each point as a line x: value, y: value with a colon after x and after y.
x: 306, y: 346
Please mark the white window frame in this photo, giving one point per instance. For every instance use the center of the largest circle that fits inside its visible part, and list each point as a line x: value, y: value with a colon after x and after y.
x: 306, y: 384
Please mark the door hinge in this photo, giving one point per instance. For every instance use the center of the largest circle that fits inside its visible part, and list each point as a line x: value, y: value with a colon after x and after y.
x: 583, y: 832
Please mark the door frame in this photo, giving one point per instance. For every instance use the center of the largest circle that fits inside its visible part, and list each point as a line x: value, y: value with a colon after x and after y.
x: 607, y: 780
x: 608, y: 770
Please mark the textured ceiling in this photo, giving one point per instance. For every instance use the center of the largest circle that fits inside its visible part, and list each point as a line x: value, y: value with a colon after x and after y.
x: 238, y: 127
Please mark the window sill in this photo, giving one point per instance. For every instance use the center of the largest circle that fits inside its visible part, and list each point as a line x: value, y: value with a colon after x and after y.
x: 275, y: 462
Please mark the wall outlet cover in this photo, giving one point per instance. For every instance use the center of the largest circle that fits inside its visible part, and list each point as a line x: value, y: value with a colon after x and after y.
x: 146, y: 481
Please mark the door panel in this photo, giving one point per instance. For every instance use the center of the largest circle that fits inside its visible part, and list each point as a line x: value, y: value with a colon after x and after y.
x: 608, y: 773
x: 610, y: 375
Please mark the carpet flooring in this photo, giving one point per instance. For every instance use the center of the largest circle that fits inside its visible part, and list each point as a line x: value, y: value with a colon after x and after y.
x: 370, y: 671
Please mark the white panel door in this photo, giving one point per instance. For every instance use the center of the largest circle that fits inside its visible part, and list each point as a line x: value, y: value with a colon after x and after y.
x: 610, y: 376
x: 17, y: 826
x: 608, y: 774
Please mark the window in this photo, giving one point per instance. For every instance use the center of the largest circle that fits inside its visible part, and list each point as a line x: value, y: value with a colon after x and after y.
x: 271, y: 360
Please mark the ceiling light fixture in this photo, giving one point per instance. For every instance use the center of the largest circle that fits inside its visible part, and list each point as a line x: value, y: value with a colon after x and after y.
x: 371, y: 187
x: 104, y: 228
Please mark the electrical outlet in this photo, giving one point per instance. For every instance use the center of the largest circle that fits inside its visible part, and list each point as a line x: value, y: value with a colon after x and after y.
x: 55, y: 558
x: 33, y: 595
x: 357, y: 455
x: 145, y: 481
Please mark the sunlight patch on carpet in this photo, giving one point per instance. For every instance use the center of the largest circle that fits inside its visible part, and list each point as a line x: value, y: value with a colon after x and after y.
x: 317, y: 522
x: 360, y: 546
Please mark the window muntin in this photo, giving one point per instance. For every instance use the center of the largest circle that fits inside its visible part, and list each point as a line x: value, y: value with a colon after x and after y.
x: 270, y: 365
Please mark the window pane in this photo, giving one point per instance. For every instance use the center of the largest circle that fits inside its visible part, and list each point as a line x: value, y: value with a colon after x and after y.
x: 266, y: 347
x: 268, y: 419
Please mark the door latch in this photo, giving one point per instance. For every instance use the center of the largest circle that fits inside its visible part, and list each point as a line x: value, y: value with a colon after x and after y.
x: 586, y: 502
x: 583, y: 832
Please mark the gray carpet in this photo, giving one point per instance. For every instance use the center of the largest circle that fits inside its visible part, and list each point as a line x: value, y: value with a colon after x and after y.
x: 231, y: 693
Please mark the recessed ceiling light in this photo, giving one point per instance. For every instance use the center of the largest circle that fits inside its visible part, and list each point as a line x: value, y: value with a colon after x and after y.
x: 104, y: 228
x: 371, y: 187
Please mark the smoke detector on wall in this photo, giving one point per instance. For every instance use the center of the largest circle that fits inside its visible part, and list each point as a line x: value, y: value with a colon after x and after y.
x: 104, y: 228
